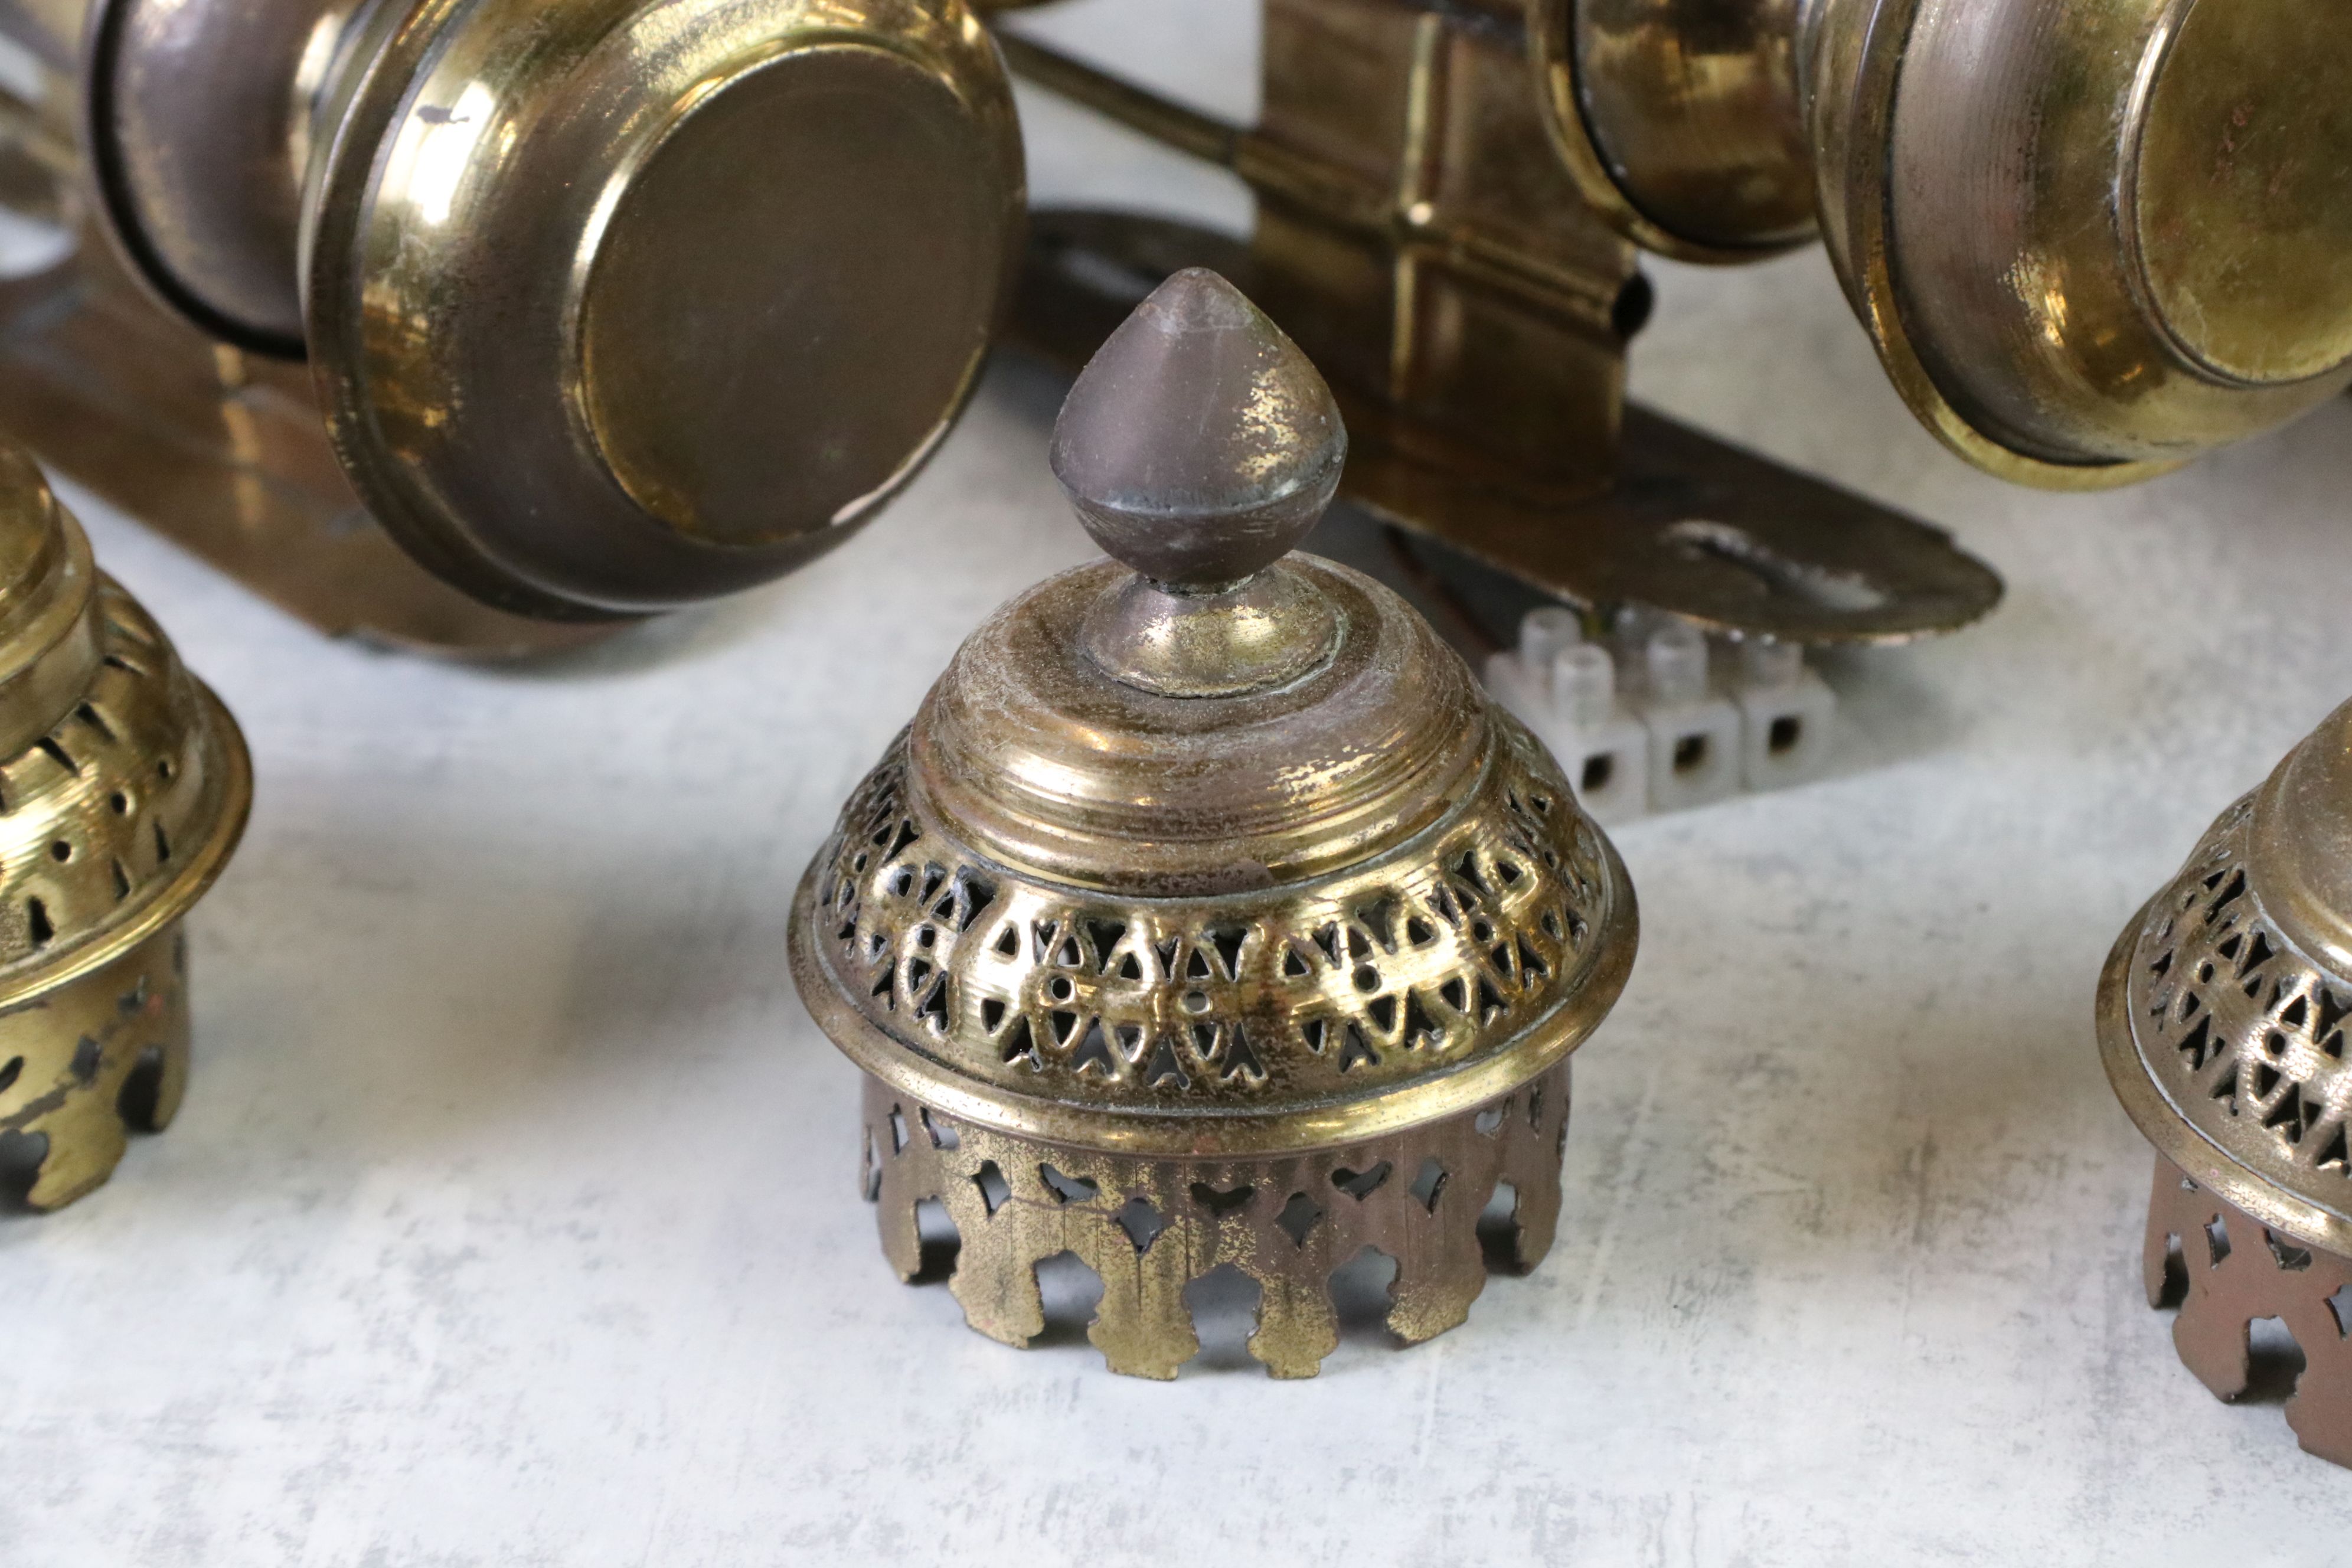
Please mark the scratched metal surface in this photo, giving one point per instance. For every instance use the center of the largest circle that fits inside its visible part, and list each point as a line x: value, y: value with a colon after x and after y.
x: 511, y: 1218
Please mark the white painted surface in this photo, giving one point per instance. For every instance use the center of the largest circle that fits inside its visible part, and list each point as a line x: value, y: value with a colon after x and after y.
x: 511, y: 1218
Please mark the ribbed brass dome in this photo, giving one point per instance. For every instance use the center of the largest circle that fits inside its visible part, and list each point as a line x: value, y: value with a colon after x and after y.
x: 1214, y: 917
x: 122, y: 792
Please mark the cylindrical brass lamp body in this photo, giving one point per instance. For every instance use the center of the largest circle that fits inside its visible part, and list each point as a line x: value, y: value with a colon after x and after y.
x: 2090, y: 240
x: 611, y: 306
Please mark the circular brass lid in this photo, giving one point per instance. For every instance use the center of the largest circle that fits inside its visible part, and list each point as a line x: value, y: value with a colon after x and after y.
x: 621, y: 306
x: 124, y: 784
x: 2091, y: 241
x: 2222, y: 1011
x: 1233, y: 859
x: 2244, y: 190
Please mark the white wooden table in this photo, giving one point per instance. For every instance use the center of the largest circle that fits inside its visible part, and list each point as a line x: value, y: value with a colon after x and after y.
x: 511, y: 1218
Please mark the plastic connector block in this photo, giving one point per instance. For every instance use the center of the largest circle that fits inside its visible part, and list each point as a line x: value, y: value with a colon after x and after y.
x: 1695, y: 740
x: 1788, y: 716
x: 1688, y: 724
x: 1564, y: 689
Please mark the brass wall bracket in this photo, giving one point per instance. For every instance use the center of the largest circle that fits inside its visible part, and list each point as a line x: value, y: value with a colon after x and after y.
x: 1418, y: 235
x: 223, y: 453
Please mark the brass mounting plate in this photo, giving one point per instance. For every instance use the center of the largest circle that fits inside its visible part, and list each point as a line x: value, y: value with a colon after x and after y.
x: 224, y: 454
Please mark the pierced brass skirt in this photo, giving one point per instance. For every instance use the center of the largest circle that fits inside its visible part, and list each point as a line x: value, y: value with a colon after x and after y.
x: 1150, y: 1229
x: 2225, y: 1270
x: 83, y: 1064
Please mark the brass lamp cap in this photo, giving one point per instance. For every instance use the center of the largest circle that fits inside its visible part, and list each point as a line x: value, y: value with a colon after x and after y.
x: 1216, y: 876
x: 123, y: 788
x: 614, y: 307
x: 2222, y: 1018
x: 2222, y: 1006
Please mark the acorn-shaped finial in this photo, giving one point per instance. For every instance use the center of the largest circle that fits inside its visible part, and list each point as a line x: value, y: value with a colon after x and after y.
x: 1199, y: 445
x: 123, y: 788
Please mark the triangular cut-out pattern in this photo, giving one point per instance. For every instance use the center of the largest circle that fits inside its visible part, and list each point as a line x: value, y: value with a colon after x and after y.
x: 2245, y: 1031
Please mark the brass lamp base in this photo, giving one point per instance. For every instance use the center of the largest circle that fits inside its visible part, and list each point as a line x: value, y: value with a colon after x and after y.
x: 1149, y: 1228
x: 112, y: 1049
x: 2224, y: 1269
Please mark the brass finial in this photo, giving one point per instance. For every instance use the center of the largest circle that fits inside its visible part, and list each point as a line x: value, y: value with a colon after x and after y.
x: 1200, y: 447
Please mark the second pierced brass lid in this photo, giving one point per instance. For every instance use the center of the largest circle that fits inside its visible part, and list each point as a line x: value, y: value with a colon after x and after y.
x: 1225, y: 855
x: 2225, y: 1007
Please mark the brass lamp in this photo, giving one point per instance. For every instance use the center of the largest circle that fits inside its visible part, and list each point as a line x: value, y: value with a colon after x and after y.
x: 609, y: 307
x: 123, y: 788
x: 2090, y: 241
x: 1208, y: 914
x: 2221, y: 1014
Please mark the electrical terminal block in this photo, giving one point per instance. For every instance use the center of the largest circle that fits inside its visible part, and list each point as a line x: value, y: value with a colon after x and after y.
x: 1659, y: 720
x: 1564, y: 689
x: 1788, y: 715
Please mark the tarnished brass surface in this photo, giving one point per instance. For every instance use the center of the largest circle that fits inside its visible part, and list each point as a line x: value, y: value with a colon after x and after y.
x: 2090, y: 240
x: 611, y: 306
x: 1150, y: 1229
x: 2225, y: 1270
x: 1688, y: 524
x: 666, y: 310
x: 125, y: 789
x: 1173, y: 943
x: 1682, y: 119
x: 1415, y: 234
x: 2066, y: 203
x: 2221, y: 1006
x: 197, y: 123
x: 223, y: 451
x: 2223, y: 1014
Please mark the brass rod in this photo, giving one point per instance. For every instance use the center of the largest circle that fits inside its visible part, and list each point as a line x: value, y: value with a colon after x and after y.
x: 26, y: 130
x: 1188, y: 130
x: 1333, y: 192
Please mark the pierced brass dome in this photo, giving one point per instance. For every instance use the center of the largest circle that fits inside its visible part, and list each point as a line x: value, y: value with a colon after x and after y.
x: 123, y: 790
x: 2222, y: 1017
x: 1214, y: 918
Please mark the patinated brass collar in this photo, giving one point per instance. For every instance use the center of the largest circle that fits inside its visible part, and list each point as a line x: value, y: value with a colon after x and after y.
x: 1048, y: 764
